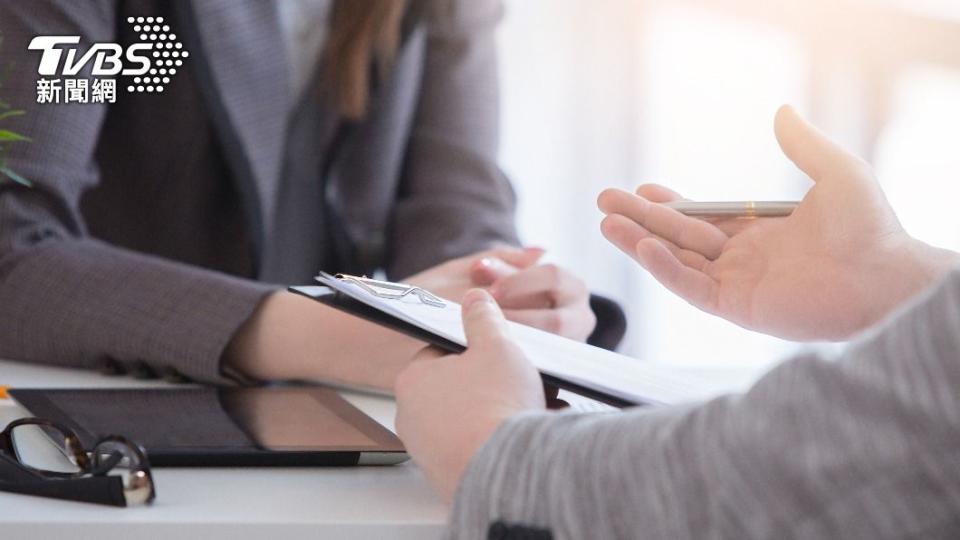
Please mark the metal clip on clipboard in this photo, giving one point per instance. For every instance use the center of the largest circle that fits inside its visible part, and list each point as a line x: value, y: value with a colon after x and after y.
x: 392, y: 291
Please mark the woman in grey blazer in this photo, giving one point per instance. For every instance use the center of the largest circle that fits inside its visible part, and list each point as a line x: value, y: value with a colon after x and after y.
x: 866, y: 445
x: 288, y: 137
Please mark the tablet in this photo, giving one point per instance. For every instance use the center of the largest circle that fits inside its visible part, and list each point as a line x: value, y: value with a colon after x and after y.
x: 221, y: 427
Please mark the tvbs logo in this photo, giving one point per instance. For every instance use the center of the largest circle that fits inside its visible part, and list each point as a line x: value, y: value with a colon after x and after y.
x: 106, y: 57
x: 150, y: 64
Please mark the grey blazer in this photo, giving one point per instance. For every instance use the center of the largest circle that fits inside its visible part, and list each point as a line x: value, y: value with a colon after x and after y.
x: 158, y: 222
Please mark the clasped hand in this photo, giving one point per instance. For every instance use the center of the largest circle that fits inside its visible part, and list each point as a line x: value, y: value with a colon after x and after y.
x: 544, y: 296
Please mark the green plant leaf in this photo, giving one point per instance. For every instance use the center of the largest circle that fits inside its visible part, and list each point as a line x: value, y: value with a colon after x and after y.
x: 9, y: 114
x: 6, y: 135
x: 11, y: 174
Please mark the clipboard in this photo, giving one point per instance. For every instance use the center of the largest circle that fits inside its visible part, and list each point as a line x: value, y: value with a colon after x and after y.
x: 347, y: 304
x: 589, y: 371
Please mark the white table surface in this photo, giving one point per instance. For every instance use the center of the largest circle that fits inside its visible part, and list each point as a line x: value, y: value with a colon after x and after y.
x: 235, y: 504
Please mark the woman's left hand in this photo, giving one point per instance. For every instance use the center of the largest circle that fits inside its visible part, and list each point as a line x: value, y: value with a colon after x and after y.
x: 544, y: 296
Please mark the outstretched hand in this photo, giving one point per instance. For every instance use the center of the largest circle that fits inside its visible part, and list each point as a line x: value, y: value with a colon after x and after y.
x: 838, y: 264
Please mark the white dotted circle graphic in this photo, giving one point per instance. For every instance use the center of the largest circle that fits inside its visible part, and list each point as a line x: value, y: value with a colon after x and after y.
x: 166, y: 53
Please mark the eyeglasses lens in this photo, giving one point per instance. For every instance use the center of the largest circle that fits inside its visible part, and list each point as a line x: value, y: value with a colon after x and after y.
x: 31, y: 443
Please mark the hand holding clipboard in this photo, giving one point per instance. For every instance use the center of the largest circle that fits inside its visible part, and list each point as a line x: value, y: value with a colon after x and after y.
x: 603, y: 375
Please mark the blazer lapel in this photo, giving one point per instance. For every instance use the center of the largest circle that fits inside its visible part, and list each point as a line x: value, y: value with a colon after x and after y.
x: 243, y: 74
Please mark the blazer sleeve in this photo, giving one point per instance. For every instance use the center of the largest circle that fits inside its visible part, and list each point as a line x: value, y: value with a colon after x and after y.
x: 66, y: 298
x: 453, y: 198
x: 860, y: 446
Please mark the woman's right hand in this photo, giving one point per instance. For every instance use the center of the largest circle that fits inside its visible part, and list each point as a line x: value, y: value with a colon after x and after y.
x: 544, y: 296
x: 840, y: 263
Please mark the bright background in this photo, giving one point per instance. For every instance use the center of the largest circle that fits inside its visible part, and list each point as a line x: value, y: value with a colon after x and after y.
x: 601, y: 93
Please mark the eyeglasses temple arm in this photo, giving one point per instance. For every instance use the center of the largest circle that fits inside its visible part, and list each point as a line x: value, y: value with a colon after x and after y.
x: 105, y: 490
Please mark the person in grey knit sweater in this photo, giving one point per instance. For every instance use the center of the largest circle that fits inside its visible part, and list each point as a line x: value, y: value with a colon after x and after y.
x: 860, y: 444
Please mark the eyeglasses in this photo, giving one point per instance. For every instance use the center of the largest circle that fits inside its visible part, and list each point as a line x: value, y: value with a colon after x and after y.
x: 86, y: 477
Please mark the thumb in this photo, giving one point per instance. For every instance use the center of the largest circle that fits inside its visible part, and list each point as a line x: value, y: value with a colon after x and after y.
x: 500, y: 263
x: 521, y: 258
x: 484, y: 272
x: 482, y: 319
x: 812, y: 151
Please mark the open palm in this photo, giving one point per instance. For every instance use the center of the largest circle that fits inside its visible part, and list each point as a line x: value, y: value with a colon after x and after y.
x: 838, y: 264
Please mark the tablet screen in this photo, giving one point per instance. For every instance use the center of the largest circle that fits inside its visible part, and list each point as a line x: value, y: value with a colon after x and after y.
x: 212, y: 421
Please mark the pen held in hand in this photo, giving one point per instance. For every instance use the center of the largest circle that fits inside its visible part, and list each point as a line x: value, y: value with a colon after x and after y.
x: 734, y: 209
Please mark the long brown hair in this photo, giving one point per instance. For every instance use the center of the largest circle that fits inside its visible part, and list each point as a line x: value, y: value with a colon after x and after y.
x: 363, y: 34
